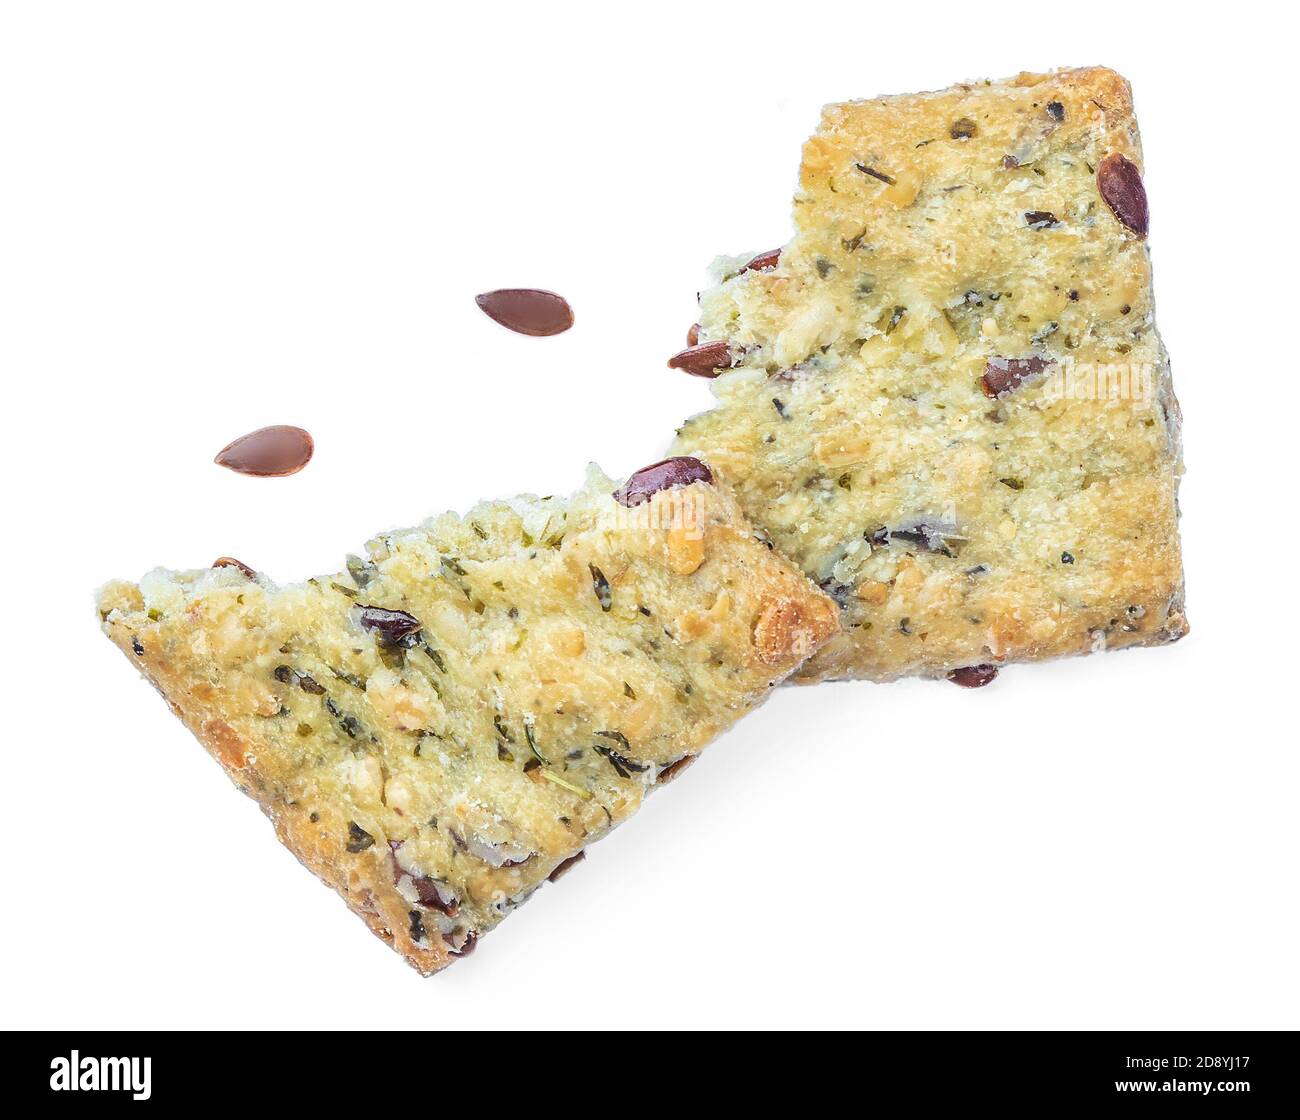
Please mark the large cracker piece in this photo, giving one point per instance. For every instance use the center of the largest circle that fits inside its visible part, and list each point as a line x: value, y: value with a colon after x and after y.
x: 947, y: 400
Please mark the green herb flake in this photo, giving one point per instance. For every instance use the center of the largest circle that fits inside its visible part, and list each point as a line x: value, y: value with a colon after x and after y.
x: 880, y: 175
x: 532, y: 739
x: 623, y: 765
x: 552, y: 776
x: 601, y: 586
x: 360, y: 570
x: 358, y: 838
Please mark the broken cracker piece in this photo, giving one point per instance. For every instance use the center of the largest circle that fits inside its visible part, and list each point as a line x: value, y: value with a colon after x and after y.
x: 451, y: 721
x: 948, y: 401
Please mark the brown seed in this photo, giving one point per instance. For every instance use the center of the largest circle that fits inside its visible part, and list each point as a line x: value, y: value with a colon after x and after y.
x: 674, y: 769
x: 431, y: 897
x: 708, y: 359
x: 1120, y: 184
x: 763, y: 261
x: 231, y: 562
x: 693, y: 335
x: 925, y: 536
x: 664, y: 475
x: 467, y: 946
x: 431, y: 894
x: 973, y: 676
x: 1041, y: 219
x: 270, y: 452
x: 389, y: 623
x: 1005, y: 375
x: 565, y: 866
x: 527, y: 310
x: 963, y: 129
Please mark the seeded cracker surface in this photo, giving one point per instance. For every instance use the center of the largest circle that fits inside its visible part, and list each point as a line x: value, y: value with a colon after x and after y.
x: 949, y: 402
x: 450, y: 721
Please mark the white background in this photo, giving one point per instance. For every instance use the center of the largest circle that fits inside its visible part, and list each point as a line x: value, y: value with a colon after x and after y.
x: 219, y: 216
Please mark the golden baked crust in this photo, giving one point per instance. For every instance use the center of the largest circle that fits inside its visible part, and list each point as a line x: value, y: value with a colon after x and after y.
x: 950, y: 404
x: 436, y: 730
